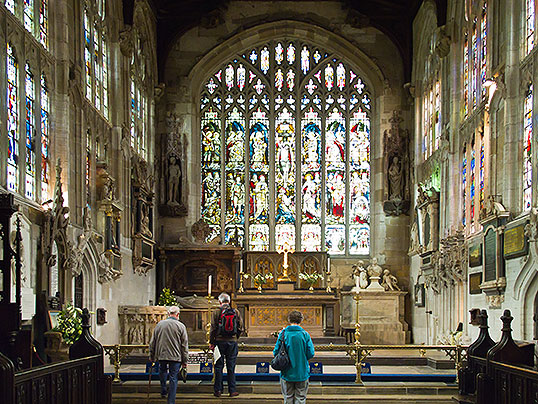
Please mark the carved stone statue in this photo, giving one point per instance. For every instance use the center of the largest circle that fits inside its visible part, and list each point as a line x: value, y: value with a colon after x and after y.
x: 374, y: 272
x: 395, y: 179
x: 414, y: 241
x: 200, y: 231
x: 144, y: 222
x: 390, y: 282
x: 360, y: 275
x: 174, y: 177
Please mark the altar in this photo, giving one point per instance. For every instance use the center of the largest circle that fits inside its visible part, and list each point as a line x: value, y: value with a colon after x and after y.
x: 265, y: 300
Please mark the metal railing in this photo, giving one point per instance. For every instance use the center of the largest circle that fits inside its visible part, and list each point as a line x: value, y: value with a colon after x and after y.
x: 356, y: 351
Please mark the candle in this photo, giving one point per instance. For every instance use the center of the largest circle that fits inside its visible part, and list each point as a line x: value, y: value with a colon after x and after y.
x: 209, y: 285
x: 241, y: 266
x: 285, y: 258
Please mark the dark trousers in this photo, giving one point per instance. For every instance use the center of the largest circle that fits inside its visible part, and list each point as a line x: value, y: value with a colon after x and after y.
x: 169, y: 370
x: 228, y: 350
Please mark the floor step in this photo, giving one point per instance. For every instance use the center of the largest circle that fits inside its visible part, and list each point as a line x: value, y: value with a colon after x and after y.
x: 277, y: 398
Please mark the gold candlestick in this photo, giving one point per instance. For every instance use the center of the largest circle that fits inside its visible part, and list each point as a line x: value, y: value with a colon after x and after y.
x: 242, y: 276
x: 208, y: 324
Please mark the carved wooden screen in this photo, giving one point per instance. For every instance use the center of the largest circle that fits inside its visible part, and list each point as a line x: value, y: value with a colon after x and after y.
x: 285, y: 151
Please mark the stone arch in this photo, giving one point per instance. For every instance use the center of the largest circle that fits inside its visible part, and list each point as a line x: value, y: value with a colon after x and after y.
x: 427, y: 21
x: 89, y: 270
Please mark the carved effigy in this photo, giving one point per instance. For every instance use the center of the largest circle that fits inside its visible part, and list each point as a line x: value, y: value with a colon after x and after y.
x: 428, y: 206
x: 138, y: 322
x: 172, y: 159
x: 396, y: 154
x: 55, y: 231
x: 143, y: 242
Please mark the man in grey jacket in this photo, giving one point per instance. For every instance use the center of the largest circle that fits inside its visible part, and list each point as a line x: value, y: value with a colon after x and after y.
x: 170, y: 346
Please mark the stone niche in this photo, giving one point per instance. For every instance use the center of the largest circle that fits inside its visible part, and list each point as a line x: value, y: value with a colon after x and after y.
x: 381, y: 316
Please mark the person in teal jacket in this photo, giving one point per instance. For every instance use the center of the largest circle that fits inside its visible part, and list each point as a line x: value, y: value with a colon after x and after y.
x: 294, y: 380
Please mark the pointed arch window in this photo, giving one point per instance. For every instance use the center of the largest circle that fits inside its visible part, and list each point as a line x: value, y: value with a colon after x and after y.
x: 88, y: 166
x: 285, y: 139
x: 527, y: 149
x: 30, y: 133
x: 12, y: 120
x: 96, y: 56
x: 45, y: 140
x: 475, y: 61
x: 431, y: 119
x: 139, y: 100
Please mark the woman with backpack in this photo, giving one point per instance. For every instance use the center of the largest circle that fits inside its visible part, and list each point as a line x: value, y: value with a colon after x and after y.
x: 226, y: 328
x: 299, y: 348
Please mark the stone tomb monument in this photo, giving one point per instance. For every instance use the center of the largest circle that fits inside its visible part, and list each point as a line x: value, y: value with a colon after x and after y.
x: 381, y: 306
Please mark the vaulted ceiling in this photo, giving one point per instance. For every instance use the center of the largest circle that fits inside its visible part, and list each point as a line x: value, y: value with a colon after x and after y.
x: 392, y: 17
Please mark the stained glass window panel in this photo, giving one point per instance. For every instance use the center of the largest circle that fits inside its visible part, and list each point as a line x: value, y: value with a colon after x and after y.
x: 45, y: 158
x: 335, y: 160
x: 29, y: 15
x: 359, y: 183
x: 466, y: 77
x: 472, y: 184
x: 211, y: 171
x: 10, y: 5
x: 235, y: 181
x: 464, y: 187
x: 12, y: 121
x: 88, y: 54
x: 29, y: 126
x: 335, y: 239
x: 474, y: 66
x: 529, y: 26
x: 527, y: 150
x: 359, y: 239
x: 285, y: 180
x: 44, y: 23
x: 483, y: 47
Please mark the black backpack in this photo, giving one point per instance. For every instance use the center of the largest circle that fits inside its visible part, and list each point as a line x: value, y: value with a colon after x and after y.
x: 228, y: 326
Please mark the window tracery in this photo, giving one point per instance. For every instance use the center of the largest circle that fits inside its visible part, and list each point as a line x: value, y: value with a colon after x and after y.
x: 26, y: 10
x: 30, y: 132
x: 45, y: 140
x: 139, y: 100
x: 530, y: 19
x: 285, y: 139
x: 473, y: 180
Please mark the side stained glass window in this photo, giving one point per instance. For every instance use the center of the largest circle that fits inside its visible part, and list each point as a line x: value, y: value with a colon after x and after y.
x: 529, y: 26
x: 285, y: 140
x: 44, y: 23
x: 45, y: 140
x: 475, y: 61
x: 12, y: 120
x: 464, y: 187
x: 30, y: 131
x: 88, y: 166
x: 28, y: 12
x: 527, y: 149
x: 431, y: 119
x: 96, y: 57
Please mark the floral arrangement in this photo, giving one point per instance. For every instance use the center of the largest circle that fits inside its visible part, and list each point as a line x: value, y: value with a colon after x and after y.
x: 262, y: 279
x: 167, y: 298
x: 310, y: 278
x: 69, y: 324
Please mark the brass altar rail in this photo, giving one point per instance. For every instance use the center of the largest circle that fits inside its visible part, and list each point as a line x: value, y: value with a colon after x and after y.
x: 356, y: 351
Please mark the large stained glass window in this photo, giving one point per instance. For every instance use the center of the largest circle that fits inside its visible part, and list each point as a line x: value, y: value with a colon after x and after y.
x: 96, y: 57
x: 529, y: 26
x: 12, y: 120
x: 473, y: 174
x: 285, y: 151
x: 527, y: 149
x: 475, y: 61
x: 464, y: 187
x: 45, y: 140
x: 30, y: 133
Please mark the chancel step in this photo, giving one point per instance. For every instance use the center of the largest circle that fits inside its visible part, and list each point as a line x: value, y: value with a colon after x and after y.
x: 136, y: 392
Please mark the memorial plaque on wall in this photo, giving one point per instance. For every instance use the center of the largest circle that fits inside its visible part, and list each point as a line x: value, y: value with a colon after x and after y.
x: 474, y: 283
x: 515, y: 242
x: 475, y: 255
x: 490, y: 255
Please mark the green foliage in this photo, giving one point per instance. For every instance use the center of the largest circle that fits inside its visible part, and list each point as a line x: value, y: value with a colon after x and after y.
x: 69, y: 323
x: 262, y: 279
x: 167, y: 298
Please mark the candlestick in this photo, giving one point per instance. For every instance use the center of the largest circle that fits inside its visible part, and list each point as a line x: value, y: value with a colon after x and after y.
x: 209, y: 285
